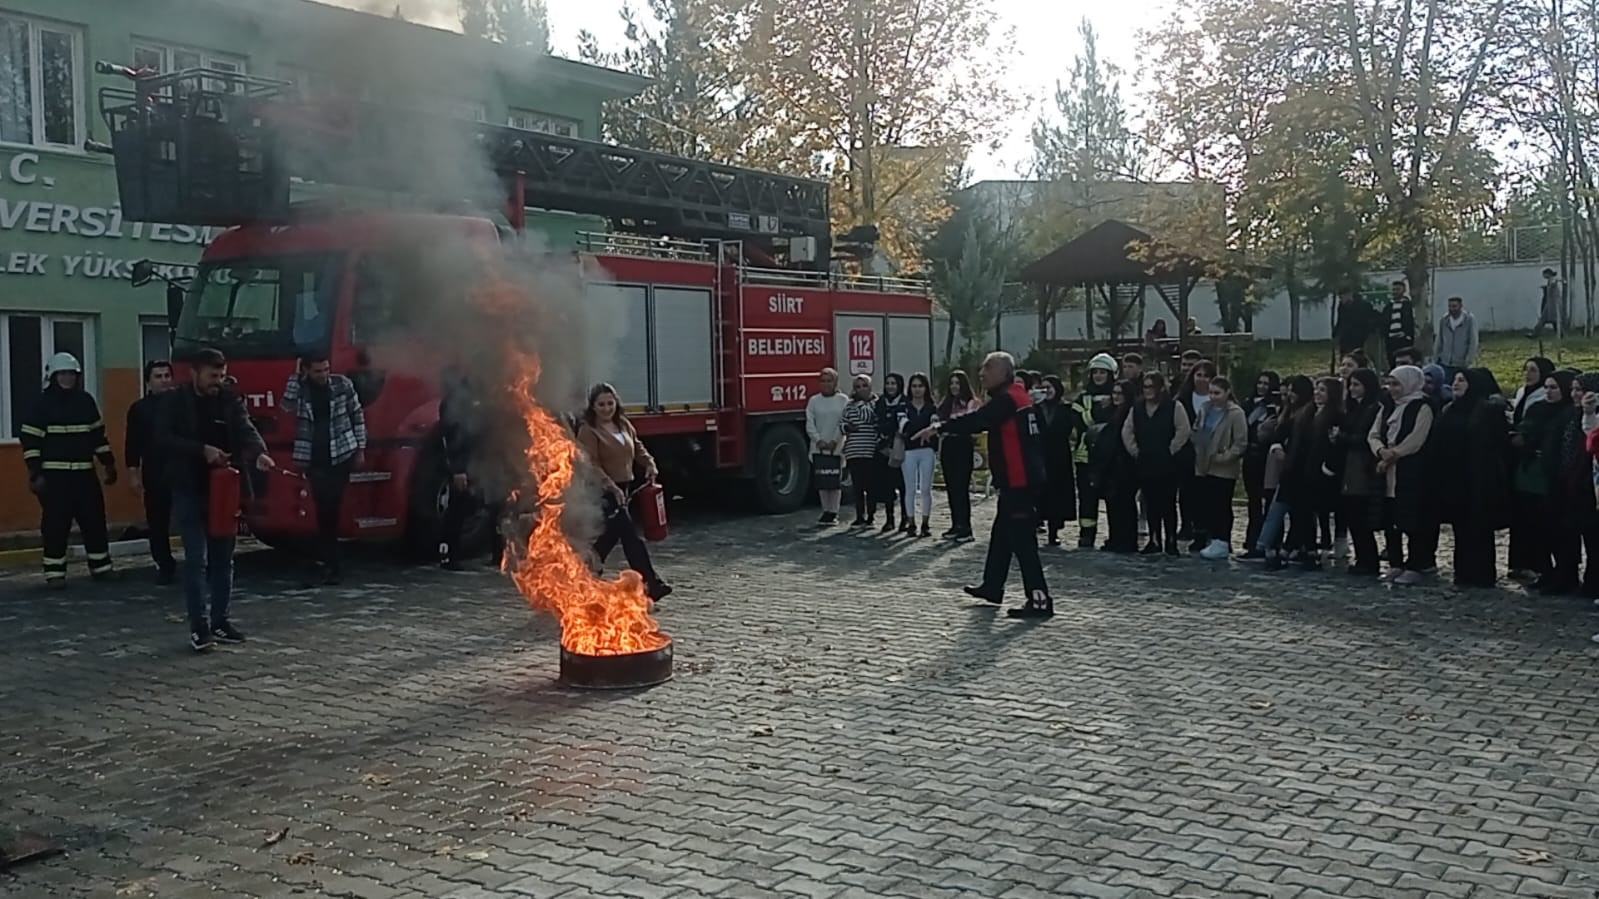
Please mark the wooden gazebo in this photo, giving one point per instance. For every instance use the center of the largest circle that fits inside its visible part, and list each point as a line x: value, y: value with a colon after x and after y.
x: 1119, y: 265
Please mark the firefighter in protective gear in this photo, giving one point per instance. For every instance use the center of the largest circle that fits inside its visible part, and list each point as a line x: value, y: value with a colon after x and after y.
x: 62, y: 436
x: 1092, y: 409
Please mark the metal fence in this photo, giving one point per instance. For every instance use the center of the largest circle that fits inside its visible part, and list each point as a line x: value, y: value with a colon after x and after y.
x: 1535, y: 243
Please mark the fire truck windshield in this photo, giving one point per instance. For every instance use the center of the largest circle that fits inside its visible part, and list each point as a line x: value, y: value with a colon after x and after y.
x: 261, y: 308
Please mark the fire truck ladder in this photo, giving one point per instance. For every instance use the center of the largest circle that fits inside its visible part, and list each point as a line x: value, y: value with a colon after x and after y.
x: 209, y: 147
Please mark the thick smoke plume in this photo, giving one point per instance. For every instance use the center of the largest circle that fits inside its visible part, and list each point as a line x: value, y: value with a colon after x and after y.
x: 435, y: 278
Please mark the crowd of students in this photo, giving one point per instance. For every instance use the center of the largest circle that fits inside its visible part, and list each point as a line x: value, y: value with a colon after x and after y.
x: 1360, y: 469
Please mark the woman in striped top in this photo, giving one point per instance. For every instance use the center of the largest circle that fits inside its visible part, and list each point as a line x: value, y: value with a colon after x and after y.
x: 860, y: 450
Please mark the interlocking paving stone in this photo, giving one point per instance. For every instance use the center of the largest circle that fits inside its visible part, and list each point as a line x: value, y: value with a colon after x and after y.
x: 842, y: 724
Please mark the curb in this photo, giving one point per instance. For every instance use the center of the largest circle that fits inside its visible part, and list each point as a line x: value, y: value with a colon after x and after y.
x: 120, y: 549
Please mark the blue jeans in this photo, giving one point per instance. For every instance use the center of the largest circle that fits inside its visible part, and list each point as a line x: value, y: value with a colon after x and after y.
x: 1271, y: 533
x: 207, y: 560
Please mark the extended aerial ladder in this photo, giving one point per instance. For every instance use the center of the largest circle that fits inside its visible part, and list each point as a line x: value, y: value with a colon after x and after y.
x: 211, y: 147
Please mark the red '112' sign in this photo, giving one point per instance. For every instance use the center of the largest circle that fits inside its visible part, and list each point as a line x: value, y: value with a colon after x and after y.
x: 862, y: 352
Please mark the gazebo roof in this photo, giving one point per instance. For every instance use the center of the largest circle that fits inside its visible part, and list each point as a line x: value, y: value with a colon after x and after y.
x: 1101, y: 255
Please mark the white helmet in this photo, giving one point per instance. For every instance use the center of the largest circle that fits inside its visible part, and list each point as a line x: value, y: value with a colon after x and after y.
x: 1104, y: 361
x: 61, y: 362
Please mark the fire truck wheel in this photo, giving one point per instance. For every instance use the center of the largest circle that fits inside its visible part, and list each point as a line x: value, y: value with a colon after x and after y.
x: 781, y: 469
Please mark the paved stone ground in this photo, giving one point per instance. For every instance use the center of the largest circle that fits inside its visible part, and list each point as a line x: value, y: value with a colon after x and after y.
x: 841, y: 724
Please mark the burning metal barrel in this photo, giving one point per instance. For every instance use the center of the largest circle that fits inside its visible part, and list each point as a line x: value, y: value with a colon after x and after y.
x: 627, y: 671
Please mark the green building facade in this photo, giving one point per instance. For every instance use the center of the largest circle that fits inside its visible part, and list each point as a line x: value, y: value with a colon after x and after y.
x: 65, y: 249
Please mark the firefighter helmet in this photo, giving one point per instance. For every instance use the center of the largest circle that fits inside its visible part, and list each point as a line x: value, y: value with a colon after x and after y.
x: 61, y: 362
x: 1105, y: 362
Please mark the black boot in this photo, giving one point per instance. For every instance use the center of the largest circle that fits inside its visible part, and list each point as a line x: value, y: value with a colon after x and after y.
x: 1085, y: 538
x: 984, y: 593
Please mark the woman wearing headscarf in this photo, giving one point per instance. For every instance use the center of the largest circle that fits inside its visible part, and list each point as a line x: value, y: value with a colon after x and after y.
x: 1538, y: 414
x: 1471, y: 485
x: 1439, y: 388
x: 1571, y: 497
x: 1260, y: 414
x: 1060, y: 432
x: 1361, y: 488
x: 889, y: 413
x: 1399, y: 441
x: 860, y: 451
x: 1529, y: 550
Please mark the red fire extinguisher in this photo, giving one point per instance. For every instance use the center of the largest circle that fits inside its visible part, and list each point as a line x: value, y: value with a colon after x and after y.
x: 222, y: 520
x: 649, y: 509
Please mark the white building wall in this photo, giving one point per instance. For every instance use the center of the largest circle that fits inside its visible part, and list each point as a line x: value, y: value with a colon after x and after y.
x: 1504, y: 297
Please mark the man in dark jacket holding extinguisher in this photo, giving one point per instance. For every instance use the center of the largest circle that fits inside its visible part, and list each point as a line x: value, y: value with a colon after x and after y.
x: 199, y: 427
x: 1015, y: 456
x: 462, y: 419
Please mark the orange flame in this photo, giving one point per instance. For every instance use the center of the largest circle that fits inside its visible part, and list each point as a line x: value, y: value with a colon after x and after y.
x: 598, y: 617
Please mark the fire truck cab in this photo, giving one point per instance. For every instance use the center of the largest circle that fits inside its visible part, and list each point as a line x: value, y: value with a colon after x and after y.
x: 716, y: 354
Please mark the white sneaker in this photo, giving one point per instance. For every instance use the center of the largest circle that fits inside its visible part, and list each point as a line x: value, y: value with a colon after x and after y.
x: 1596, y: 638
x: 1217, y: 550
x: 1408, y: 578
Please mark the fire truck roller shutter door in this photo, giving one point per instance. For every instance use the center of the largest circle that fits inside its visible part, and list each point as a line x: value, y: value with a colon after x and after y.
x: 910, y: 344
x: 682, y: 333
x: 620, y: 354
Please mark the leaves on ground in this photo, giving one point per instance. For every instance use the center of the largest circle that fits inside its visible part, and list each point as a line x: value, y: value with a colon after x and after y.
x: 1533, y: 856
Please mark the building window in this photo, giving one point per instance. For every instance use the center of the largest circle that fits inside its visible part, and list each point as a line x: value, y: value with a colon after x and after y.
x: 41, y: 87
x: 315, y: 86
x: 167, y: 58
x: 155, y: 343
x: 528, y: 120
x: 27, y: 341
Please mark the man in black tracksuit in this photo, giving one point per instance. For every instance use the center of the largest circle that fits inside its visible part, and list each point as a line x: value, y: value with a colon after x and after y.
x: 62, y: 436
x: 462, y: 416
x: 137, y: 449
x: 1015, y: 456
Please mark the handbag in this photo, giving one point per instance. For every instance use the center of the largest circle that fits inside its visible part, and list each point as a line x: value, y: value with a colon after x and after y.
x: 827, y: 471
x: 896, y: 452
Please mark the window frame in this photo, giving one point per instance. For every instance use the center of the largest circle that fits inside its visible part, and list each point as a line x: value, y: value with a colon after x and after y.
x: 151, y: 321
x: 170, y: 50
x: 36, y: 97
x: 91, y: 370
x: 534, y: 115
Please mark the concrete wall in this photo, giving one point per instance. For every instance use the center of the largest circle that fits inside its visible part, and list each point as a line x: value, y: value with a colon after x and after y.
x: 1503, y: 297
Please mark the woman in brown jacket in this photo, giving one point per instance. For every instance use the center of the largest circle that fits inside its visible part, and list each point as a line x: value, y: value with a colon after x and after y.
x: 611, y: 444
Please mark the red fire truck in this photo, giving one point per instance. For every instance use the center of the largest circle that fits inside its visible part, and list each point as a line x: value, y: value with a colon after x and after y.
x: 732, y: 300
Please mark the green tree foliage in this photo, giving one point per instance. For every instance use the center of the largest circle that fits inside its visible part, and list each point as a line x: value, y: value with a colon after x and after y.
x: 517, y: 23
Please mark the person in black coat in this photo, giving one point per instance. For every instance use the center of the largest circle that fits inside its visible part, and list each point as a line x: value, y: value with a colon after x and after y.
x: 889, y: 413
x: 463, y: 419
x: 202, y: 426
x: 1471, y: 485
x: 1112, y: 473
x: 1571, y: 496
x: 1060, y: 430
x: 137, y: 444
x: 1260, y: 413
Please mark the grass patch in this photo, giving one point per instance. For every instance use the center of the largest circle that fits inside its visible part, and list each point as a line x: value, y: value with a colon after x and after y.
x: 1503, y: 353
